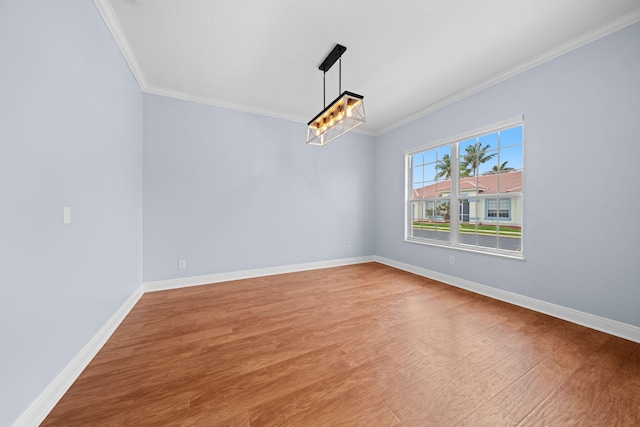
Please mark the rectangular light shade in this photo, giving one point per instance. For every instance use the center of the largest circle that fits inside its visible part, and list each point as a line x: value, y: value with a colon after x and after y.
x: 346, y: 112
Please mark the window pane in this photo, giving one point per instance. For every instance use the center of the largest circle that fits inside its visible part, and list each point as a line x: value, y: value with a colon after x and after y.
x: 429, y: 156
x: 430, y: 172
x: 444, y: 151
x: 418, y: 176
x: 488, y: 234
x: 511, y: 137
x: 488, y: 162
x: 443, y: 164
x: 429, y: 211
x: 468, y: 221
x: 444, y: 189
x: 509, y: 241
x: 442, y: 221
x: 417, y: 218
x: 464, y: 150
x: 510, y: 232
x: 418, y: 159
x: 474, y: 153
x: 489, y: 142
x: 511, y: 158
x: 468, y: 186
x: 427, y: 189
x: 430, y: 220
x: 467, y: 143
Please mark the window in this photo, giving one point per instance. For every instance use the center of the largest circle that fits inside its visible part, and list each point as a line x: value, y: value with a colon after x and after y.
x: 494, y: 212
x: 466, y: 191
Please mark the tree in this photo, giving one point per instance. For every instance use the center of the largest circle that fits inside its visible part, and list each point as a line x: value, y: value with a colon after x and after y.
x: 444, y: 167
x: 502, y: 168
x: 474, y: 156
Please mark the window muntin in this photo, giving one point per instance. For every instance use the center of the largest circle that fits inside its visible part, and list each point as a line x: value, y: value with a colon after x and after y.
x: 473, y: 198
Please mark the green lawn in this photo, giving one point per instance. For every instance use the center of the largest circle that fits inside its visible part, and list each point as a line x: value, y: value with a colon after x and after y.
x: 504, y: 230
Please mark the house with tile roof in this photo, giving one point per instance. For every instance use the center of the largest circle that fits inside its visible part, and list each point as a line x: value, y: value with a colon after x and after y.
x: 505, y: 208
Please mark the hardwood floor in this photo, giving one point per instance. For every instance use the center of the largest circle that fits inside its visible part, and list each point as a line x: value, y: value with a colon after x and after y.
x: 364, y: 345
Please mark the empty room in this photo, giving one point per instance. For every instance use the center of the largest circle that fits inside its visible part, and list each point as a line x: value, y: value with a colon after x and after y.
x: 295, y: 213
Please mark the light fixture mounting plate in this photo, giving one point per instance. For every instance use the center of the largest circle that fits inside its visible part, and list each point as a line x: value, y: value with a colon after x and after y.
x: 333, y: 56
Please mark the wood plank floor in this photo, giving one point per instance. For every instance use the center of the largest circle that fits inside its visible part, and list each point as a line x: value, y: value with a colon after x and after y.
x: 364, y: 345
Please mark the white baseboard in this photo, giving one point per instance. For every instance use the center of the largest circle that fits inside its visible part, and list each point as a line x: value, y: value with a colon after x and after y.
x: 602, y: 324
x: 40, y: 408
x: 248, y: 274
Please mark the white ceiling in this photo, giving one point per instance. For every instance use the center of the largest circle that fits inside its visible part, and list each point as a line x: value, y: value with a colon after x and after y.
x: 406, y: 57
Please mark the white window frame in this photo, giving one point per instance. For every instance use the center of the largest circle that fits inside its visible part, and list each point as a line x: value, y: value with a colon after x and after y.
x: 455, y: 198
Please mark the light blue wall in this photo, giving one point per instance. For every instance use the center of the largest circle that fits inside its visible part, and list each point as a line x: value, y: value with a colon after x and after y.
x: 70, y: 135
x: 582, y: 145
x: 228, y: 191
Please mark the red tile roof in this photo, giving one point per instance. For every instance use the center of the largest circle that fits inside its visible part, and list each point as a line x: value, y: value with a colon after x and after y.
x: 508, y: 182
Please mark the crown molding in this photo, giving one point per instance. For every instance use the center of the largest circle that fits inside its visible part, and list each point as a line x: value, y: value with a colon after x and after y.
x: 573, y: 44
x: 113, y: 23
x: 185, y: 96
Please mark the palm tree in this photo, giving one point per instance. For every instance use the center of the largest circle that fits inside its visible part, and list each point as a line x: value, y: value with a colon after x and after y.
x: 502, y: 168
x: 475, y: 156
x: 444, y: 167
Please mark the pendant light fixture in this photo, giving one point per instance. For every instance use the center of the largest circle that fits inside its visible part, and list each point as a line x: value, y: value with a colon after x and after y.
x: 345, y: 113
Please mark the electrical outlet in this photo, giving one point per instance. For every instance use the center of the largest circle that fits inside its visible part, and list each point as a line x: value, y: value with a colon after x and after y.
x: 452, y: 260
x: 182, y: 264
x: 349, y: 248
